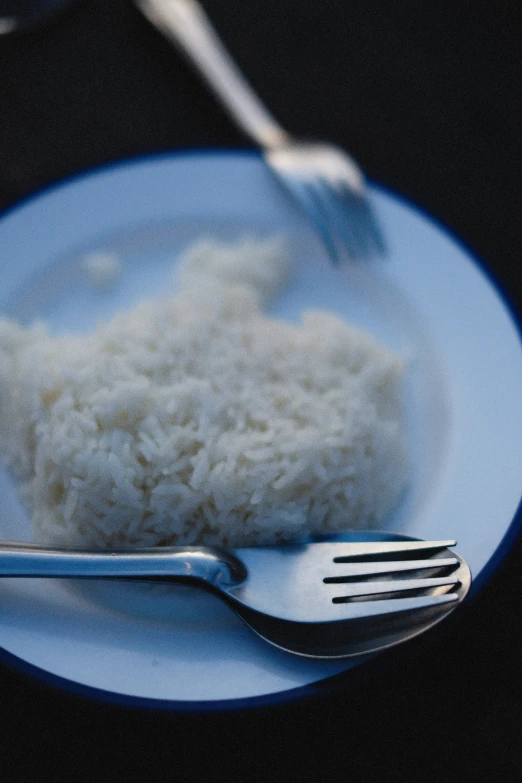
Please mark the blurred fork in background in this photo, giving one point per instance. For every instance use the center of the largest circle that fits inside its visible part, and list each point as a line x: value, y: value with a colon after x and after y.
x: 326, y: 182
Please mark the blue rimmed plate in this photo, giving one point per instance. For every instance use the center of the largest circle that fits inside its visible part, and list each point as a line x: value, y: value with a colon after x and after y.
x: 429, y: 299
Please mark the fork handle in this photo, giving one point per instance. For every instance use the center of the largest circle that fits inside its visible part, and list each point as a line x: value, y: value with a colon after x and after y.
x: 185, y: 23
x: 210, y: 564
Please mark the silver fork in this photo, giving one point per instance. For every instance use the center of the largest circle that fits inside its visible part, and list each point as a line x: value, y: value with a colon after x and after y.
x: 324, y: 600
x: 325, y: 180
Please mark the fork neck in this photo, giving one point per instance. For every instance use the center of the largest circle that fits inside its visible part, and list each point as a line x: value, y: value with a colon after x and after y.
x: 185, y: 24
x: 210, y: 564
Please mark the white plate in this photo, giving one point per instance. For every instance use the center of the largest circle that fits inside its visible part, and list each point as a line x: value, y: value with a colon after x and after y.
x: 428, y: 299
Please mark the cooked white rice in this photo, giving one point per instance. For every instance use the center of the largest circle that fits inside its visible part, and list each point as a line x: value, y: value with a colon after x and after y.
x: 197, y: 419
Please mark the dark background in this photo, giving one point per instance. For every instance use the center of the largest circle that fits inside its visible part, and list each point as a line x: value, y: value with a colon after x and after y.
x: 426, y: 95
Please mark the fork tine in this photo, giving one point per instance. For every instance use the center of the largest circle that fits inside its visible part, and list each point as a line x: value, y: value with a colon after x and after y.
x: 351, y: 209
x: 340, y: 217
x: 305, y: 196
x: 311, y: 195
x: 343, y: 218
x: 360, y: 549
x: 339, y: 592
x: 352, y: 570
x: 353, y: 610
x: 365, y: 220
x: 352, y: 217
x: 344, y: 551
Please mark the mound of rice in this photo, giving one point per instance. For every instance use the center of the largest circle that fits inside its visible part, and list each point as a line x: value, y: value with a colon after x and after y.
x: 198, y: 419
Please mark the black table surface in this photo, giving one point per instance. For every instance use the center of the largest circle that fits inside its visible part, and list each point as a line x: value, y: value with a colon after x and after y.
x: 427, y: 97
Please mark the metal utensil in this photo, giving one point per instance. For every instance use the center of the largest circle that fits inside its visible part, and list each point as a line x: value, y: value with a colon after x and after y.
x: 325, y: 180
x: 322, y: 600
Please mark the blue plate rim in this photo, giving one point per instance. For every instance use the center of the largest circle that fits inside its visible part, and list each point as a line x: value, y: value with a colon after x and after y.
x: 328, y: 684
